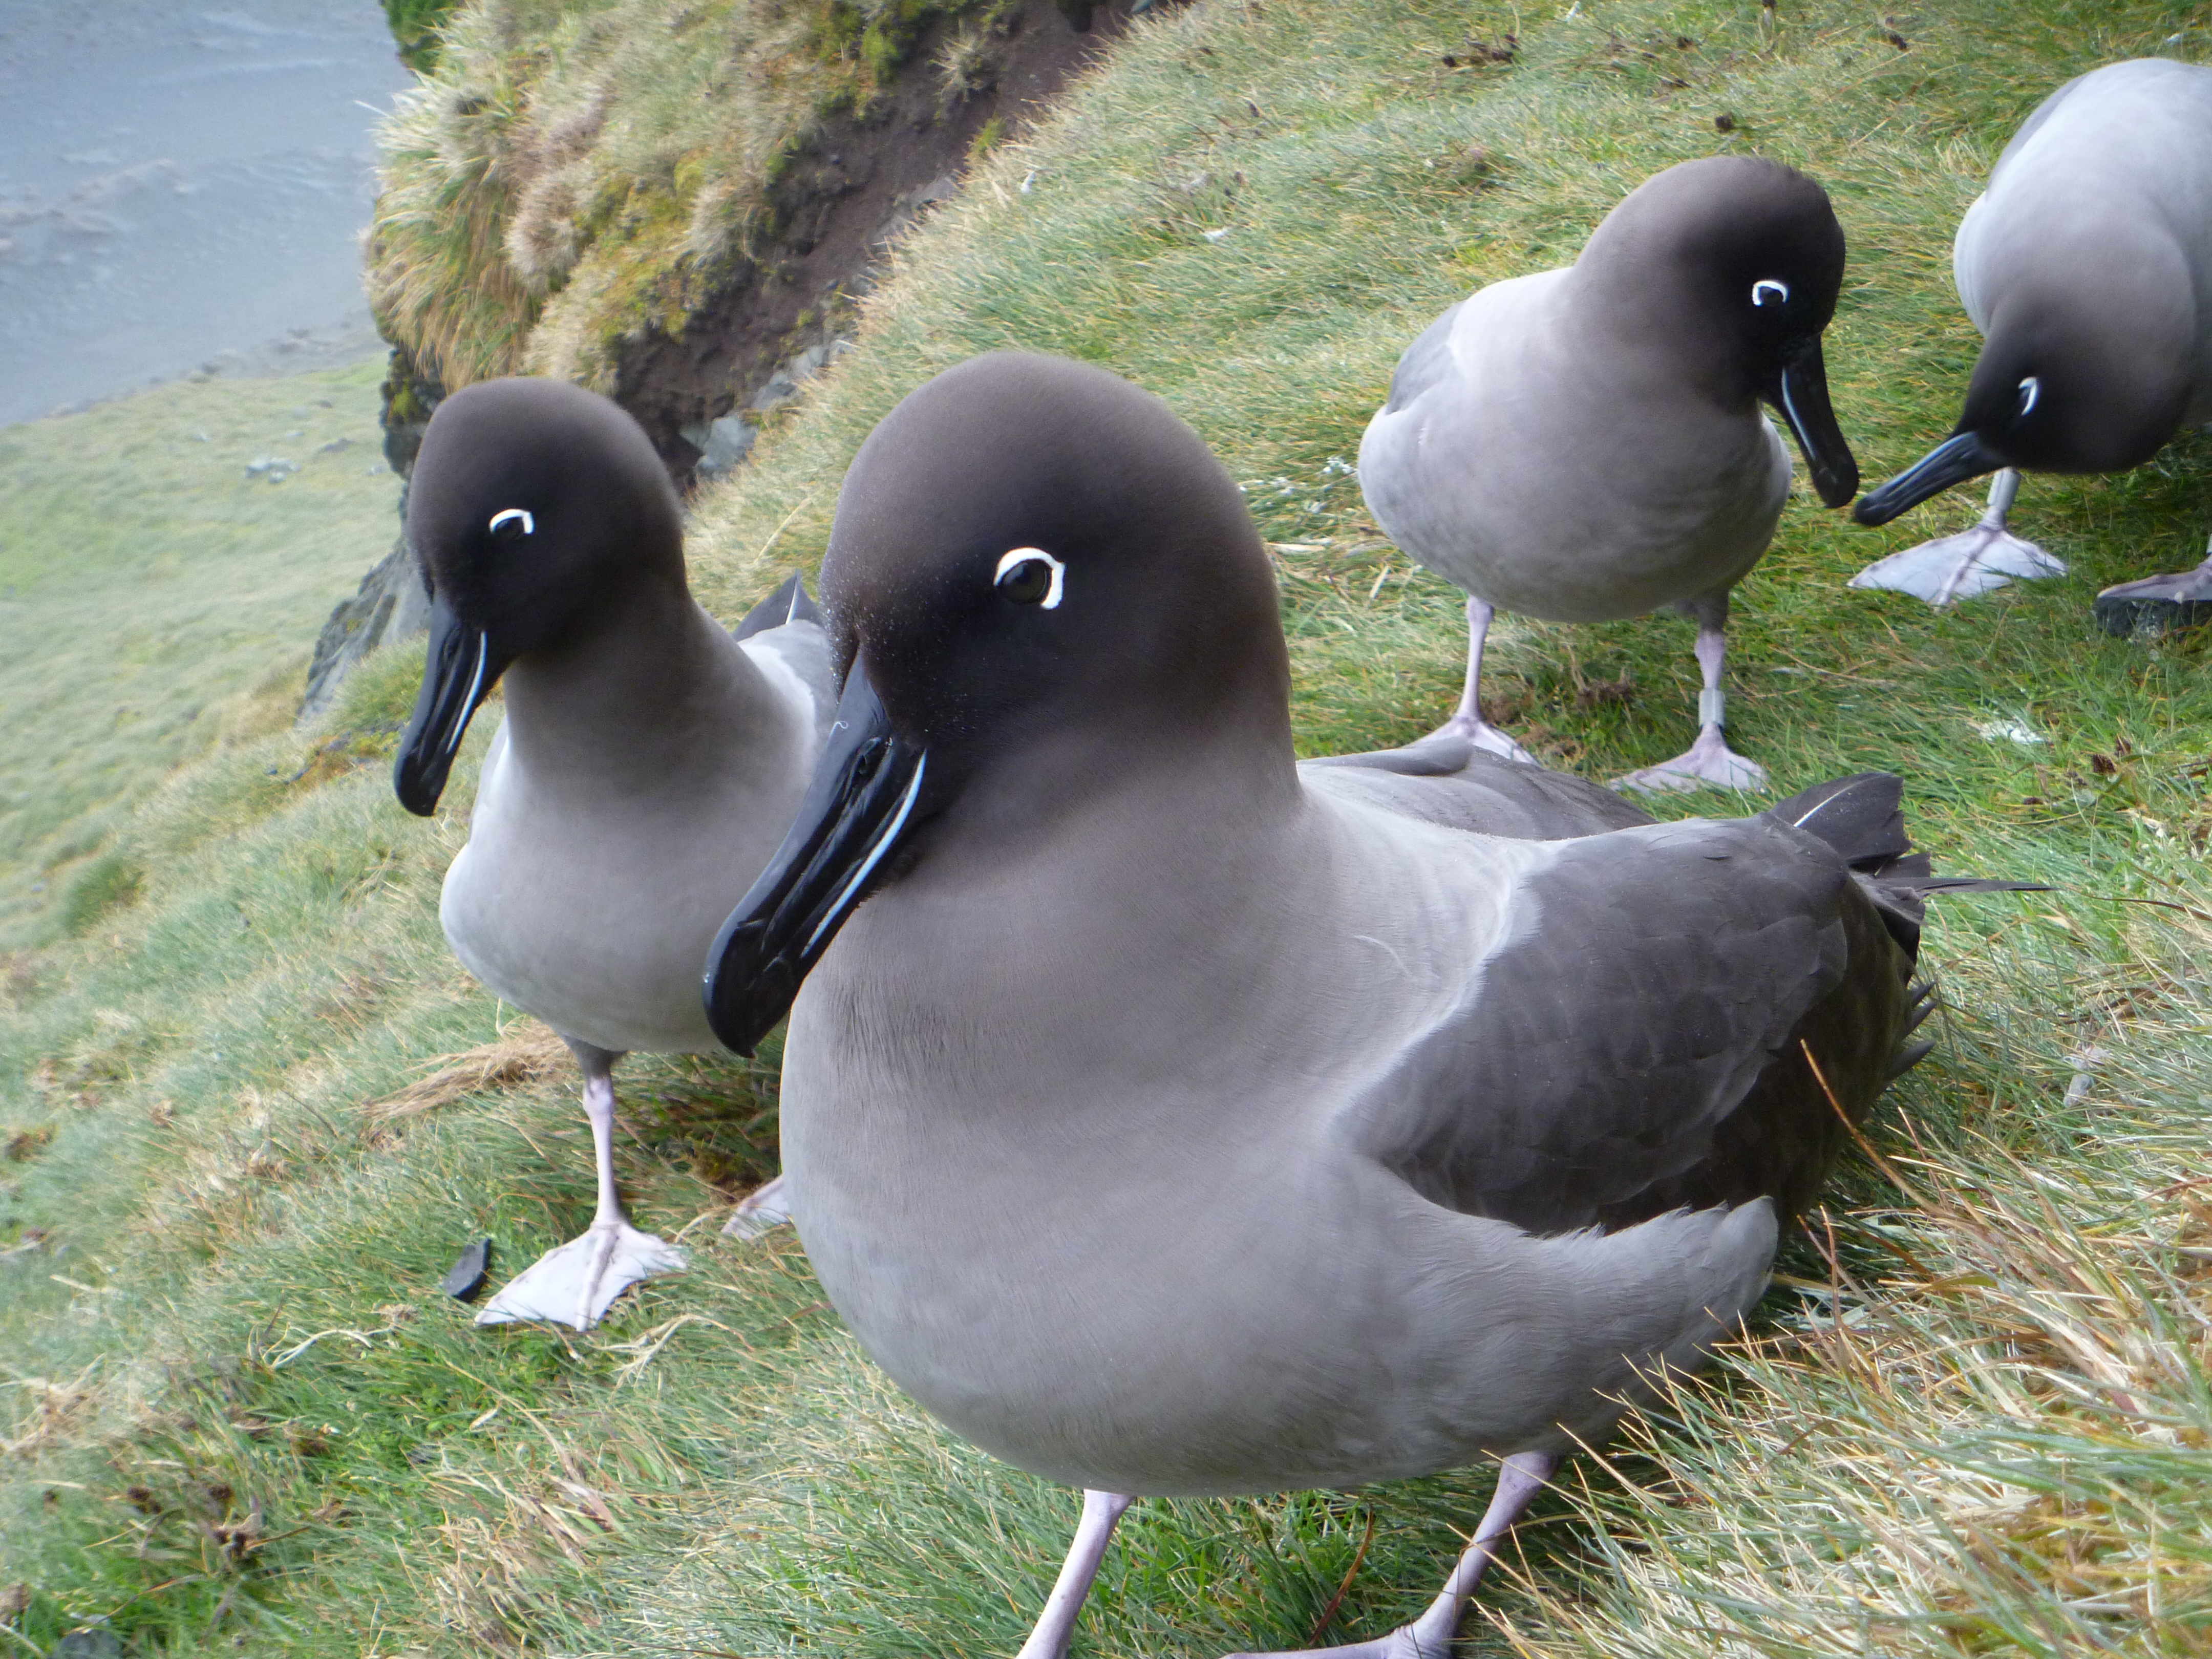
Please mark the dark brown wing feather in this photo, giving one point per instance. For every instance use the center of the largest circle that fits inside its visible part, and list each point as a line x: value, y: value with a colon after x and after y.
x: 1637, y: 1048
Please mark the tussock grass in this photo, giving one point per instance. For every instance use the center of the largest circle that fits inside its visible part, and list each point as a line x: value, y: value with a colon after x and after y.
x: 572, y: 173
x: 1972, y: 1416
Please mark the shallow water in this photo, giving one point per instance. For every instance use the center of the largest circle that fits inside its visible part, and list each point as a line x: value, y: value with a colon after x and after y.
x: 183, y: 190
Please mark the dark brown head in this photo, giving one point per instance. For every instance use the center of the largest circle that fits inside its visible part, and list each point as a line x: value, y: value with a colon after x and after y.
x: 1027, y: 547
x: 2088, y: 368
x: 535, y: 506
x: 1044, y: 585
x: 1728, y: 270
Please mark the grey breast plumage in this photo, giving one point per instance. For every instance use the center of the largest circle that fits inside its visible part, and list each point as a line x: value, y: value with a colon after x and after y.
x: 588, y: 894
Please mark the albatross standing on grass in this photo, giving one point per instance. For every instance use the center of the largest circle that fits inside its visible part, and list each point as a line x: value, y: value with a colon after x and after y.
x: 648, y: 762
x: 2087, y: 264
x: 1177, y: 1118
x: 1587, y: 444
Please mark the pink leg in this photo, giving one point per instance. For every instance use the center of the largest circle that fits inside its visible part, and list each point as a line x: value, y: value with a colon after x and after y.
x: 1430, y: 1635
x: 575, y: 1282
x: 1709, y: 760
x: 599, y: 1110
x: 1467, y: 719
x: 1101, y: 1509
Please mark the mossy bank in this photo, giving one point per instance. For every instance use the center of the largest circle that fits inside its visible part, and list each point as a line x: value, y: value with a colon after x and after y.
x: 666, y: 201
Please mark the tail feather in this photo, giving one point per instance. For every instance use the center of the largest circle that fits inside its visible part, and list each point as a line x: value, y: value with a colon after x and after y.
x: 803, y: 608
x: 1923, y: 1004
x: 1861, y: 817
x: 1922, y: 885
x: 1907, y: 1058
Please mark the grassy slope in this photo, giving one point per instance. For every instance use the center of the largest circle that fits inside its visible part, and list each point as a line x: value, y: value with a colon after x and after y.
x: 1979, y: 1424
x: 148, y: 588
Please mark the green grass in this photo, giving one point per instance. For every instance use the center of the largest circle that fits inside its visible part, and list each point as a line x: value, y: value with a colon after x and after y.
x: 414, y: 26
x: 1975, y: 1418
x: 155, y: 599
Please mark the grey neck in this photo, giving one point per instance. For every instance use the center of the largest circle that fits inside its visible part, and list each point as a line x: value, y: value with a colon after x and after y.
x: 638, y: 692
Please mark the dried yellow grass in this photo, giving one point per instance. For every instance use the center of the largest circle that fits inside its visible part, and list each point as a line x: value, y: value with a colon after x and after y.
x: 525, y: 1052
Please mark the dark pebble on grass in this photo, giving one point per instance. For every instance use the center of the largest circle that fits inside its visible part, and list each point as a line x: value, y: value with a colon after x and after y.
x: 1724, y: 122
x: 465, y: 1278
x: 88, y: 1645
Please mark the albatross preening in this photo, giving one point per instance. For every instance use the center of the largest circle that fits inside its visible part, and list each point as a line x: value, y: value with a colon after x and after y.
x: 648, y: 762
x: 2087, y: 264
x: 1168, y: 1117
x: 1587, y: 444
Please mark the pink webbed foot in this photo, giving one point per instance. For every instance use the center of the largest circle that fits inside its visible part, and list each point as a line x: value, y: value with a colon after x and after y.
x: 1483, y: 735
x: 1708, y: 763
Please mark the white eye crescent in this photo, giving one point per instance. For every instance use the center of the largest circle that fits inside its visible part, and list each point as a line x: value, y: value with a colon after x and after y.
x: 514, y: 515
x: 1765, y: 289
x: 1013, y: 559
x: 2030, y: 390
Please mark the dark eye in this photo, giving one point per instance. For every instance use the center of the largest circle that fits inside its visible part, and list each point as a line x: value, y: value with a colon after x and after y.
x: 510, y: 524
x: 1029, y: 575
x: 1027, y: 582
x: 1767, y: 291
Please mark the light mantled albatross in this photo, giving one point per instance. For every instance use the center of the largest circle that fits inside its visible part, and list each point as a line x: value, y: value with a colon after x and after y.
x: 646, y: 766
x: 2087, y: 264
x: 1167, y: 1117
x: 1587, y: 444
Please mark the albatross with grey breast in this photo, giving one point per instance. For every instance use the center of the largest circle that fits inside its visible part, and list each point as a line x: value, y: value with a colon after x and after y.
x: 1175, y: 1118
x: 2087, y: 264
x: 647, y: 764
x: 1587, y: 444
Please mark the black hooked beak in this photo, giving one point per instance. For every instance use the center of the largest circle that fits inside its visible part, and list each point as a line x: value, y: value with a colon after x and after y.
x: 1954, y: 460
x: 1801, y: 394
x: 858, y: 807
x: 458, y: 675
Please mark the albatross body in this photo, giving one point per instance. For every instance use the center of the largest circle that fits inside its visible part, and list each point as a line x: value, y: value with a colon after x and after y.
x: 1587, y: 444
x: 1175, y: 1118
x: 646, y: 769
x: 2087, y: 264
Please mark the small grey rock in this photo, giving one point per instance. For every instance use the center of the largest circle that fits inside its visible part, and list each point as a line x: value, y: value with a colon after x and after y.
x: 722, y: 444
x: 393, y: 604
x: 465, y: 1280
x: 90, y: 1643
